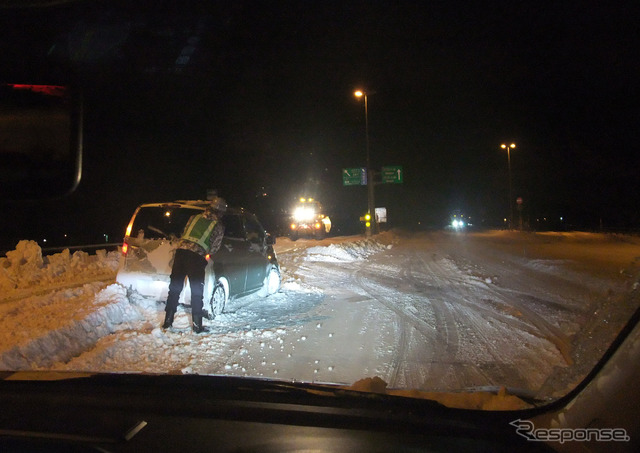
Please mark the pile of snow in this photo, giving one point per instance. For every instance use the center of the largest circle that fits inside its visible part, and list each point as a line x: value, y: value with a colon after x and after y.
x: 25, y: 267
x: 65, y: 324
x: 345, y: 251
x: 54, y: 307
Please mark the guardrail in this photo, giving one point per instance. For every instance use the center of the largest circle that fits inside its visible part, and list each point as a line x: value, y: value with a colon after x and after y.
x: 89, y: 248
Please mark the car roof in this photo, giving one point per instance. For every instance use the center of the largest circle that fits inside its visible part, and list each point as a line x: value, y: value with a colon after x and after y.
x: 198, y: 204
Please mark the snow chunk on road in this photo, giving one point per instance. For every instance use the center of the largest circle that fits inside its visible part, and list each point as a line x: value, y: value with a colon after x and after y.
x: 21, y: 267
x: 346, y: 251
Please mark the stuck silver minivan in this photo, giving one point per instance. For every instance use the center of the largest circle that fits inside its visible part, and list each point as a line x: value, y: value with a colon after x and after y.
x: 245, y: 263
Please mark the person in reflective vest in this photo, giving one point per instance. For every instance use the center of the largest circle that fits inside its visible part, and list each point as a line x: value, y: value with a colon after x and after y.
x: 202, y: 236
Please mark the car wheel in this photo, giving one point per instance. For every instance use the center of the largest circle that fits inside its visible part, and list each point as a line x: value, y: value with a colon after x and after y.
x: 271, y: 283
x: 218, y: 299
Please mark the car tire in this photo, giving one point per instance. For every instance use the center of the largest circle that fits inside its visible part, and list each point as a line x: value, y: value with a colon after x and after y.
x: 218, y: 299
x: 271, y: 283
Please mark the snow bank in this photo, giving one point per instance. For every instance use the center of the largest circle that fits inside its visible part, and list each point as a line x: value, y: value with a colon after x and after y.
x: 54, y: 307
x: 25, y: 268
x: 346, y: 251
x: 37, y: 343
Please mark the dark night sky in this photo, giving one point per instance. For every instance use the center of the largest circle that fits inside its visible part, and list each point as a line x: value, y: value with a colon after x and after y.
x: 268, y: 103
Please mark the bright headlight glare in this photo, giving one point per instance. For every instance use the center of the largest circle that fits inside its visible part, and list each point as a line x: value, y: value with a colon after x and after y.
x: 302, y: 214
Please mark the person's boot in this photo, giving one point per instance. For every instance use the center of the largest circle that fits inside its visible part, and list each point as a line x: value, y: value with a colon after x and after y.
x: 197, y: 324
x: 168, y: 319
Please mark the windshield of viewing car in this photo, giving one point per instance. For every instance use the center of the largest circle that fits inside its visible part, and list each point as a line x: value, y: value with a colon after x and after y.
x: 472, y: 171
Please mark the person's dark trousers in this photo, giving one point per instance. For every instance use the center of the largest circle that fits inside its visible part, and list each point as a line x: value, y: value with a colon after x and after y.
x: 187, y: 264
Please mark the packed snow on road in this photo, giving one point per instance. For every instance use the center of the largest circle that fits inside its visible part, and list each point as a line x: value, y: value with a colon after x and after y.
x: 427, y: 312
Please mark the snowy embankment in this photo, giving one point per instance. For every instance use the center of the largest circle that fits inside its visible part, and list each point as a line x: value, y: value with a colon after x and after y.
x: 345, y: 251
x: 64, y: 311
x: 53, y: 308
x: 25, y: 271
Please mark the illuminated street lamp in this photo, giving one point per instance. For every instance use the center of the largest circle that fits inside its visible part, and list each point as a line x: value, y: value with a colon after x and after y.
x: 369, y: 172
x: 509, y: 148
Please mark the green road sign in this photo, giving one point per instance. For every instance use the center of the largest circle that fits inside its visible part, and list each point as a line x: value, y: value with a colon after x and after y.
x: 354, y: 176
x: 392, y: 174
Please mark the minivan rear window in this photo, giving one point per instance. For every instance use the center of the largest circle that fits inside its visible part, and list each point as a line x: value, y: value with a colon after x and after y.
x: 161, y: 222
x: 233, y: 227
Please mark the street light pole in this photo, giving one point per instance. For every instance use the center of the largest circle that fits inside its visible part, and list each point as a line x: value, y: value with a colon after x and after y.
x: 369, y: 171
x: 509, y: 148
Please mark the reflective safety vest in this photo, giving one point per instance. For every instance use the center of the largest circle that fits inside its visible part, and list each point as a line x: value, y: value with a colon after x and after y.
x: 198, y: 231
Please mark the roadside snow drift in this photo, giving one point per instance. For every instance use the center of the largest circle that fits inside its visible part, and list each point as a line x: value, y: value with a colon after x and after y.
x: 53, y: 308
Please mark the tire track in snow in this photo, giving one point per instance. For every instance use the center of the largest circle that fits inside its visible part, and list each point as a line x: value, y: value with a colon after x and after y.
x: 447, y: 288
x: 467, y: 292
x: 518, y: 299
x: 446, y: 345
x: 555, y: 299
x: 402, y: 319
x: 443, y: 321
x: 435, y: 347
x: 552, y: 333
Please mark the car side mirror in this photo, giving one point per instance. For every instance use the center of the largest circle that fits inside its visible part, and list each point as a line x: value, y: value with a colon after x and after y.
x: 40, y: 140
x: 271, y: 240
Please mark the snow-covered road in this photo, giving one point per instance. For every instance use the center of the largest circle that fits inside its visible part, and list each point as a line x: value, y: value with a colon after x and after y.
x: 430, y: 311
